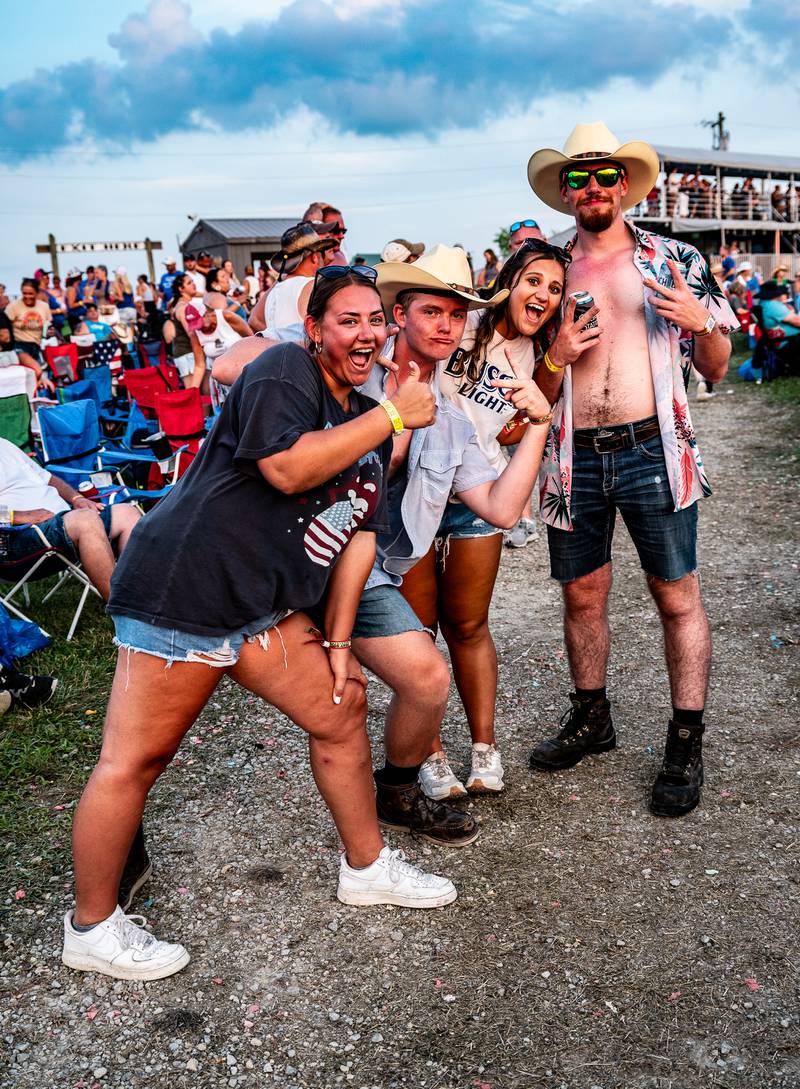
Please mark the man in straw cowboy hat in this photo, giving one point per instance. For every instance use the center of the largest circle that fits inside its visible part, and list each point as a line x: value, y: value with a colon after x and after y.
x: 279, y: 313
x: 622, y: 439
x: 429, y: 301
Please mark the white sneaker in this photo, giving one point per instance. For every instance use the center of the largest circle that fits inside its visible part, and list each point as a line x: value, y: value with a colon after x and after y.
x: 486, y: 776
x: 120, y: 947
x: 703, y: 392
x: 437, y: 779
x: 392, y: 880
x: 522, y: 534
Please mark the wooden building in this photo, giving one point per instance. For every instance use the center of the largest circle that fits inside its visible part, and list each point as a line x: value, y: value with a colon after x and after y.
x: 243, y: 241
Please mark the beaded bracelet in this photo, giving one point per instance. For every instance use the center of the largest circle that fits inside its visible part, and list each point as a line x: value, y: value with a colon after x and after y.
x: 336, y: 644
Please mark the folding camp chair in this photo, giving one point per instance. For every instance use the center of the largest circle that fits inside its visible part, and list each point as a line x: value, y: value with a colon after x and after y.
x: 62, y: 359
x: 44, y: 561
x: 152, y: 352
x: 15, y: 407
x: 180, y: 417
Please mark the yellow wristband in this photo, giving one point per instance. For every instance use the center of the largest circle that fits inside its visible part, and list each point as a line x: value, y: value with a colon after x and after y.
x: 551, y: 366
x: 11, y: 518
x: 393, y: 415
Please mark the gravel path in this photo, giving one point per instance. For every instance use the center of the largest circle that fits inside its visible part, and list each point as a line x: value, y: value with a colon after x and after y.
x: 592, y: 945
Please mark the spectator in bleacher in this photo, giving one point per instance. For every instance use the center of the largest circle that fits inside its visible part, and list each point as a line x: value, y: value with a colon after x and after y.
x: 166, y: 281
x: 778, y: 202
x: 121, y: 292
x: 30, y: 319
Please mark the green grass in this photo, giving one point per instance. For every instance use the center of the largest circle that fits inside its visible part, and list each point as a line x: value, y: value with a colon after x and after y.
x: 46, y: 754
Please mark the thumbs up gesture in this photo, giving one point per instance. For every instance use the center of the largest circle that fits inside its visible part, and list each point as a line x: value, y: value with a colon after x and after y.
x: 414, y: 400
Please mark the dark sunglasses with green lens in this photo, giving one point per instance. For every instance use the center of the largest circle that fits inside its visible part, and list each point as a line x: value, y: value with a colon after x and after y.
x: 606, y: 176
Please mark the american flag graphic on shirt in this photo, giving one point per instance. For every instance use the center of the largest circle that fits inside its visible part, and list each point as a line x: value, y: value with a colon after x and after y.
x: 330, y: 531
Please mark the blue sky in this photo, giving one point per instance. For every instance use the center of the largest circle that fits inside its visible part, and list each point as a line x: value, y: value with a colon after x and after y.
x: 416, y: 117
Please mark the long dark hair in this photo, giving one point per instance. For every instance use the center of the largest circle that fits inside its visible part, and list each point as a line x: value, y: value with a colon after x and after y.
x: 470, y: 362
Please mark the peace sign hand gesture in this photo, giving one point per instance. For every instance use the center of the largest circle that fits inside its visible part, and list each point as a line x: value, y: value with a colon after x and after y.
x: 678, y: 304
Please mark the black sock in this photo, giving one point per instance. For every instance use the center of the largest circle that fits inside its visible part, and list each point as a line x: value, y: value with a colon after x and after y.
x: 682, y: 717
x: 83, y: 928
x: 392, y: 775
x: 588, y: 695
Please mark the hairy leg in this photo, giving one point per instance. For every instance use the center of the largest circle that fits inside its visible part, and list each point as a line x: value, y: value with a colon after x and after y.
x: 150, y: 709
x: 586, y: 627
x: 466, y: 580
x: 86, y: 531
x: 294, y: 675
x: 414, y: 669
x: 687, y: 638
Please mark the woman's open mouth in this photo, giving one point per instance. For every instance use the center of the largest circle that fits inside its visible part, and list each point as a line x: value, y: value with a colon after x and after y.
x: 533, y: 312
x: 361, y: 358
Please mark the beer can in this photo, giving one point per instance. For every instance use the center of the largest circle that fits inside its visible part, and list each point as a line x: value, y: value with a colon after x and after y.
x: 583, y: 304
x: 88, y: 490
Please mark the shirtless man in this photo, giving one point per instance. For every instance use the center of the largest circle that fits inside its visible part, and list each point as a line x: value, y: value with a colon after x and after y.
x: 622, y: 440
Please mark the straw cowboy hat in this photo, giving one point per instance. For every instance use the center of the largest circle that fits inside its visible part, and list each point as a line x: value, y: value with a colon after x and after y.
x: 297, y: 243
x: 593, y: 141
x: 442, y: 270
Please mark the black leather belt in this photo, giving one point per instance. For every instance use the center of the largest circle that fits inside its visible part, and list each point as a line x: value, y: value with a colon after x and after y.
x: 605, y: 440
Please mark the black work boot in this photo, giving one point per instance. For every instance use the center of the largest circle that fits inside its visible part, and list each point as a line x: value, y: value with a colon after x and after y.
x: 585, y: 728
x: 677, y: 787
x: 406, y: 809
x: 137, y: 870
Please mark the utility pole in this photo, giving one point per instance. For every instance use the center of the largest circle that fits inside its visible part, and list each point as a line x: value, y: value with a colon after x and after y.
x: 720, y: 139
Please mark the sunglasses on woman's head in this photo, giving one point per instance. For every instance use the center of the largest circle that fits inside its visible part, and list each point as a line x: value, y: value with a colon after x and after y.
x: 522, y: 223
x: 334, y: 272
x: 538, y: 245
x: 606, y: 176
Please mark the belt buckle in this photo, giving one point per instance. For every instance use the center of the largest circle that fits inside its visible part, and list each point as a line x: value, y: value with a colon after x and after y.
x: 596, y: 439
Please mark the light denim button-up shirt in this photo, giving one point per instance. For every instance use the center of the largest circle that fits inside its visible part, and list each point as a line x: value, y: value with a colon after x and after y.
x: 442, y: 459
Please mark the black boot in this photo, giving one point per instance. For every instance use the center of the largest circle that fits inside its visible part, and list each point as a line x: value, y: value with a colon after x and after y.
x: 585, y: 728
x: 677, y: 787
x: 137, y: 870
x: 406, y: 809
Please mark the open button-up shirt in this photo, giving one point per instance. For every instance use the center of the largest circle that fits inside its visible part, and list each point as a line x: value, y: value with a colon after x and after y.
x: 671, y: 355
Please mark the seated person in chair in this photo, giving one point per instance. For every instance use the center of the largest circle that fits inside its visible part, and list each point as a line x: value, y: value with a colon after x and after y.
x: 84, y: 531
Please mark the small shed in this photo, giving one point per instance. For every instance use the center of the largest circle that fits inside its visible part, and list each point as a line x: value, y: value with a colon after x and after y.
x: 243, y: 241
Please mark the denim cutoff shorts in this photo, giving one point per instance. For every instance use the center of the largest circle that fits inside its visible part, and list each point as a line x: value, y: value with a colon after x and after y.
x: 173, y: 645
x: 24, y: 542
x: 460, y: 523
x: 383, y: 611
x: 634, y: 482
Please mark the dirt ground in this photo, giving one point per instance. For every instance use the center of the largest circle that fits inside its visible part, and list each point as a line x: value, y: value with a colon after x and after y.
x: 592, y: 946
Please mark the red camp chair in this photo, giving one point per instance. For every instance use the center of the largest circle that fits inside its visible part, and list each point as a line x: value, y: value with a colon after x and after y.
x: 180, y: 417
x: 143, y: 386
x: 152, y: 352
x: 62, y: 359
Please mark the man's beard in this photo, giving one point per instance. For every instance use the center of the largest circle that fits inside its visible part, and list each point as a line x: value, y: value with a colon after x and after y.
x: 596, y: 217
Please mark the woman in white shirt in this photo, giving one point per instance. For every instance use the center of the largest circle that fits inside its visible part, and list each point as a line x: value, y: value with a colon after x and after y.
x: 452, y: 586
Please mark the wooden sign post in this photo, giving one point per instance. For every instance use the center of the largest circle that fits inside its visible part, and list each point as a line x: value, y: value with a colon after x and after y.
x: 54, y: 248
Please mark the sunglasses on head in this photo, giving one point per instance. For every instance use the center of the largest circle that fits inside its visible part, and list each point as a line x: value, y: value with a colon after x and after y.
x: 538, y: 245
x: 334, y: 272
x: 606, y: 176
x: 522, y: 223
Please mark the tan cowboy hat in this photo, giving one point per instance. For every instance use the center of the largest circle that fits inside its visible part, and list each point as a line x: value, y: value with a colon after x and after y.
x: 297, y: 243
x: 593, y: 141
x: 443, y: 269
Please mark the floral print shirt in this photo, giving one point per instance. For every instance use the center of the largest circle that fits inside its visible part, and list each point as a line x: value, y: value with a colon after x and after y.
x: 671, y: 355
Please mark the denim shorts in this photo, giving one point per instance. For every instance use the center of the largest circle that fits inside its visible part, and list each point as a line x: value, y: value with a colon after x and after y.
x: 635, y: 482
x: 25, y: 542
x: 173, y: 645
x: 461, y: 523
x: 384, y: 611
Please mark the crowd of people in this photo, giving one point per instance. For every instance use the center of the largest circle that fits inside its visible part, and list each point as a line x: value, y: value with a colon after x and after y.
x: 378, y: 431
x: 692, y: 196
